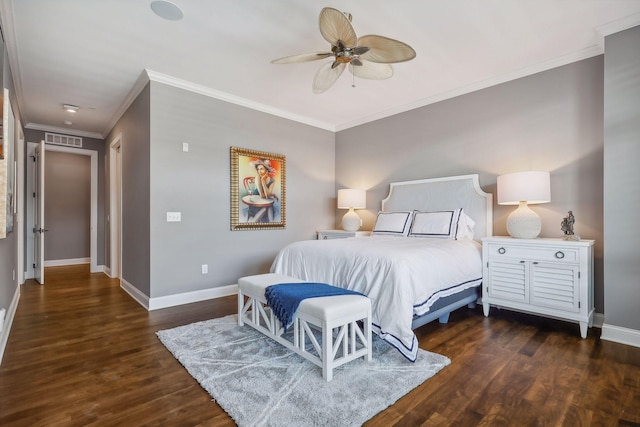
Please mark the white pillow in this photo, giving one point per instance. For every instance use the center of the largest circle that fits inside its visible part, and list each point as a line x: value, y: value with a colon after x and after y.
x: 392, y: 223
x: 465, y: 227
x: 450, y: 224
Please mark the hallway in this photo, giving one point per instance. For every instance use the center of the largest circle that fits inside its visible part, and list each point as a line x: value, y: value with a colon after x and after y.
x: 82, y: 352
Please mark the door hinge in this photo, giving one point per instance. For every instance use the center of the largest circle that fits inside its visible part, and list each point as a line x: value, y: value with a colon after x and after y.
x: 487, y: 264
x: 579, y: 304
x: 578, y: 274
x: 34, y: 195
x: 34, y: 265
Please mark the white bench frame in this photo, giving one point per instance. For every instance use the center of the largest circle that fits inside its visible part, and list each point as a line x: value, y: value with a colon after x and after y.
x: 354, y: 341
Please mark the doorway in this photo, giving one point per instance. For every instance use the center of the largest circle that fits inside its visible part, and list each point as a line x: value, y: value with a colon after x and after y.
x: 30, y: 206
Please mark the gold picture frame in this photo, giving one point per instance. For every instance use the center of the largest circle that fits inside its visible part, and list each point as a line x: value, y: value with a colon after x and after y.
x: 258, y: 190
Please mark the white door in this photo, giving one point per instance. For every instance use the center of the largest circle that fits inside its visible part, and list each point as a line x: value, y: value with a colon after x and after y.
x: 38, y: 228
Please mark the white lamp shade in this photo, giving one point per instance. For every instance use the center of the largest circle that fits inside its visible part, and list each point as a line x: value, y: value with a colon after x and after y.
x: 352, y: 198
x: 530, y: 187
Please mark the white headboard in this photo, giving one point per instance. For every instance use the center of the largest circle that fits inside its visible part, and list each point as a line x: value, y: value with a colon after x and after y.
x: 444, y: 193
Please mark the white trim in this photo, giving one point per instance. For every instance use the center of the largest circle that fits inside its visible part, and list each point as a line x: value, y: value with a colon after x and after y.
x: 620, y: 335
x: 138, y: 86
x: 233, y: 99
x: 70, y: 261
x: 177, y: 299
x: 189, y: 297
x: 615, y: 27
x: 135, y: 293
x: 106, y: 270
x: 93, y: 251
x: 115, y: 217
x: 8, y: 321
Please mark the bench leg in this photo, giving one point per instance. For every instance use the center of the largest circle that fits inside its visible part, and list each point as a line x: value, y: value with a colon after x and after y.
x: 240, y: 307
x: 327, y: 352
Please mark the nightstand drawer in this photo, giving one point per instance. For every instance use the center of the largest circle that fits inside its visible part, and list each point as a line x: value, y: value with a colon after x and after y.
x: 532, y: 252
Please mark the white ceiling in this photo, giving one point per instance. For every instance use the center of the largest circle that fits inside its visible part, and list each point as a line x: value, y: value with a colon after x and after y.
x: 92, y: 53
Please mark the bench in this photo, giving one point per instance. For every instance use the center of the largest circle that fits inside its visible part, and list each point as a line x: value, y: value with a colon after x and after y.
x: 326, y: 331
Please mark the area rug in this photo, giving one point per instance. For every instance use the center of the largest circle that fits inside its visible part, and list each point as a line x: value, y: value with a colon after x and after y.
x: 259, y: 382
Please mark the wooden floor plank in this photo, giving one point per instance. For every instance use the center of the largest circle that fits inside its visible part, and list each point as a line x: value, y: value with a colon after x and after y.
x: 82, y: 352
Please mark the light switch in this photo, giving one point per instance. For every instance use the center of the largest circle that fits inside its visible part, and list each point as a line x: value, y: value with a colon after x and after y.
x: 205, y: 268
x: 185, y: 147
x: 174, y: 217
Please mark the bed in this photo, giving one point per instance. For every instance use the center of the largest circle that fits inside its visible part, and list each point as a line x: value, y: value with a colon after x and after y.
x: 414, y: 271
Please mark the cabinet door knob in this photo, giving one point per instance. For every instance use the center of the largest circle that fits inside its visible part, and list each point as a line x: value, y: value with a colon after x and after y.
x: 559, y: 254
x: 501, y: 250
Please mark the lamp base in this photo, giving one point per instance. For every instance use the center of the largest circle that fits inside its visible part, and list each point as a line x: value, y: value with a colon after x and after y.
x: 351, y: 221
x: 523, y: 223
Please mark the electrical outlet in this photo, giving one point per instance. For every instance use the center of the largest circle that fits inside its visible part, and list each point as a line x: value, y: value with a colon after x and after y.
x: 205, y: 268
x: 174, y: 217
x: 185, y: 147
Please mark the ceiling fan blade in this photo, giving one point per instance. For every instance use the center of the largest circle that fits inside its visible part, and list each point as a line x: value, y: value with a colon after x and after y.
x: 385, y: 50
x: 371, y: 70
x: 327, y: 76
x: 302, y: 57
x: 334, y: 26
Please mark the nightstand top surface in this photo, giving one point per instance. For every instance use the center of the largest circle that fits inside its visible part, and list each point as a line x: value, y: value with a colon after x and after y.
x: 540, y: 240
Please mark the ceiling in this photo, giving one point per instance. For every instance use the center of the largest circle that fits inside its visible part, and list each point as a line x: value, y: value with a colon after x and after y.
x: 94, y: 53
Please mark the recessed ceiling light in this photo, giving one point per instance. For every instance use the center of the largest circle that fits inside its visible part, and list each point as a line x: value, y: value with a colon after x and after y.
x: 68, y: 122
x: 167, y: 10
x: 71, y: 108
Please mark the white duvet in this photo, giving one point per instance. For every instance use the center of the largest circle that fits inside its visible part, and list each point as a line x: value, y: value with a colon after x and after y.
x: 402, y: 276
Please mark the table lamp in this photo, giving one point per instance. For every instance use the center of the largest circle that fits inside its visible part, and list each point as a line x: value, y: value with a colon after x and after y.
x: 522, y: 189
x: 351, y: 199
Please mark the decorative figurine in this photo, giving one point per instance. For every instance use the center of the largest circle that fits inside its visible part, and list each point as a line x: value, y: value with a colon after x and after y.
x: 567, y: 227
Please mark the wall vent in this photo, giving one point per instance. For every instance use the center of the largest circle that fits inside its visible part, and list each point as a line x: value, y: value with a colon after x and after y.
x: 66, y: 140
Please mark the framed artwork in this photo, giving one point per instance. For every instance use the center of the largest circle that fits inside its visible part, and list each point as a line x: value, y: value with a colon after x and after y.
x: 258, y: 190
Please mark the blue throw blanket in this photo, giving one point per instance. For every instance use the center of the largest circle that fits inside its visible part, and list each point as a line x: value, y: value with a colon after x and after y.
x: 285, y: 298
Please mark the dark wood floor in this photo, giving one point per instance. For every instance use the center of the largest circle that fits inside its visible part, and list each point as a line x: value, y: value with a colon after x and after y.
x: 82, y: 353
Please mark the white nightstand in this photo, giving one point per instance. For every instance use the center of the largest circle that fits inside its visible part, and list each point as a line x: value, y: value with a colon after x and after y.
x: 341, y: 234
x: 549, y: 277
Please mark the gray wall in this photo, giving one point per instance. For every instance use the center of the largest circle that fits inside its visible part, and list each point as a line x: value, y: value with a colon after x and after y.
x: 134, y: 126
x: 622, y: 178
x: 196, y: 184
x: 550, y: 121
x: 67, y: 206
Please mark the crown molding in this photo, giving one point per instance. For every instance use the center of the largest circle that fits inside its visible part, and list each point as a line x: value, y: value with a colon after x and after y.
x: 616, y: 26
x: 503, y: 78
x: 137, y: 87
x: 233, y: 99
x: 64, y: 131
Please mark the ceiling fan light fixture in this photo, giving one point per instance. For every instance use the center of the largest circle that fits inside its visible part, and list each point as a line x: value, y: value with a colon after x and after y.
x: 368, y: 57
x: 167, y: 10
x: 70, y: 108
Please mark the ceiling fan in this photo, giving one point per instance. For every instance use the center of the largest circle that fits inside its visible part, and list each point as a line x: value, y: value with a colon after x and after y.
x: 368, y: 56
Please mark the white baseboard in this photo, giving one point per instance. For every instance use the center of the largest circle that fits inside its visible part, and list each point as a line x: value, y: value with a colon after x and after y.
x: 189, y: 297
x: 135, y: 293
x: 176, y: 299
x: 8, y: 321
x: 106, y: 270
x: 71, y: 261
x: 620, y: 335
